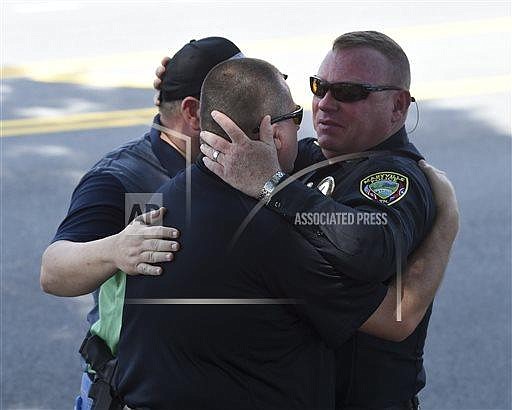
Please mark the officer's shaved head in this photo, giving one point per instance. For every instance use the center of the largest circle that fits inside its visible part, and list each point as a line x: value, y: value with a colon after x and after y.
x: 246, y: 90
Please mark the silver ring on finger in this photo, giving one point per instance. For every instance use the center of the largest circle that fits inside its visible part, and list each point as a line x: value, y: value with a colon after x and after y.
x: 215, y: 155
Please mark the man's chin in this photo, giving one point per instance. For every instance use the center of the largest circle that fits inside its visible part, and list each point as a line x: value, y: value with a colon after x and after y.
x: 329, y: 154
x: 329, y: 147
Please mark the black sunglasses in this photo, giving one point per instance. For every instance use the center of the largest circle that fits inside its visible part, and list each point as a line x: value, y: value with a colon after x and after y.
x: 346, y: 92
x: 295, y: 115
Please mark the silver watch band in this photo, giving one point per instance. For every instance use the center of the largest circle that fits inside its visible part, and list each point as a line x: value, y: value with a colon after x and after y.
x: 270, y: 185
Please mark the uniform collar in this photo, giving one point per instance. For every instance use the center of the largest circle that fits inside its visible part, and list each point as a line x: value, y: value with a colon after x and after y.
x: 399, y: 141
x: 168, y: 156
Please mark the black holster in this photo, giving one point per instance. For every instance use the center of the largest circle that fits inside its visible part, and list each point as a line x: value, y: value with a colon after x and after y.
x: 98, y: 356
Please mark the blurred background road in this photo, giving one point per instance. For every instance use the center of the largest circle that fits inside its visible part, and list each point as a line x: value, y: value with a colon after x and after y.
x: 76, y: 82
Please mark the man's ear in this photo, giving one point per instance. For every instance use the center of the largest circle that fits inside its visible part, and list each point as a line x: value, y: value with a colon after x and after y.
x: 278, y: 138
x: 190, y: 112
x: 401, y: 105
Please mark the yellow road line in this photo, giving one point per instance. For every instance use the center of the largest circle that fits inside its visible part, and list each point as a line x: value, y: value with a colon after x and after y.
x: 454, y: 29
x: 55, y: 128
x: 463, y: 87
x: 86, y: 121
x: 132, y: 69
x: 418, y: 32
x: 125, y: 118
x: 84, y: 117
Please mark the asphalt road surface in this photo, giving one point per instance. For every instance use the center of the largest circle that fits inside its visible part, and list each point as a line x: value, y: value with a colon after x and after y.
x: 464, y: 128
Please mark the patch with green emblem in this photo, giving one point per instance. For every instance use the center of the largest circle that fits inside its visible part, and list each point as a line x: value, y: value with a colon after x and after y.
x: 386, y: 187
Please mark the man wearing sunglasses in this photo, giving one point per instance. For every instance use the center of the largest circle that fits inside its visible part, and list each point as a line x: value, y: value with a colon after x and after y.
x: 366, y: 170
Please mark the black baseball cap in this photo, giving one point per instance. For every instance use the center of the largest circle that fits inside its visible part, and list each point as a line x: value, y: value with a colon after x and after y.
x: 186, y: 71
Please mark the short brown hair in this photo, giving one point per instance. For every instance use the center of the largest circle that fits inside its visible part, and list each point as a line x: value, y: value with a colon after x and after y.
x: 170, y: 109
x: 245, y: 89
x: 399, y: 63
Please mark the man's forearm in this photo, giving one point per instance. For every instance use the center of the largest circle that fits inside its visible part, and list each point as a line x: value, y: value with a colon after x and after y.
x: 77, y: 268
x: 420, y: 282
x: 425, y: 272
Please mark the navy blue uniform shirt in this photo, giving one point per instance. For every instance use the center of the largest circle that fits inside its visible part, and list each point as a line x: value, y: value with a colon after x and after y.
x: 243, y: 355
x: 372, y: 372
x: 97, y: 208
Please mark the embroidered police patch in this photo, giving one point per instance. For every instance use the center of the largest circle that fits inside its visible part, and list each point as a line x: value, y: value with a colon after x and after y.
x: 386, y: 187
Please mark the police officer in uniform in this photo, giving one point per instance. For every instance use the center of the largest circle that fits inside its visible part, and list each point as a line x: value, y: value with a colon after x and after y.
x: 373, y: 372
x: 360, y: 105
x: 94, y: 233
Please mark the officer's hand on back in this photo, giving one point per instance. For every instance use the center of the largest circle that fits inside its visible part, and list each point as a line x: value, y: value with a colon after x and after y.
x: 157, y: 82
x: 445, y: 198
x: 143, y: 243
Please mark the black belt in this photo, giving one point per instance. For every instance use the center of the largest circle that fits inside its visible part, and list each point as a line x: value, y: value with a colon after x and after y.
x: 412, y: 404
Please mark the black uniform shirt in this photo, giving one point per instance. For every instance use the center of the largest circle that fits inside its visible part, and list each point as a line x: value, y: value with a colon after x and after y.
x: 242, y: 355
x: 371, y: 371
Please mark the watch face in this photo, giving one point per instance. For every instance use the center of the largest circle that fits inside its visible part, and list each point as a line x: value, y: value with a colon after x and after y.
x: 269, y: 186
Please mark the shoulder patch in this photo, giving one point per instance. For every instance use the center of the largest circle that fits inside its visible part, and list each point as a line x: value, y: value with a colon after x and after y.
x: 386, y: 187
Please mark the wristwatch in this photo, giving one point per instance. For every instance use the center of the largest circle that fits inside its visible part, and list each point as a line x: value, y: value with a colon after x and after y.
x: 270, y: 186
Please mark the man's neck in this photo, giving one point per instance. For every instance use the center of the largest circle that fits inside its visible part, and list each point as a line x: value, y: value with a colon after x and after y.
x: 389, y: 134
x: 174, y: 136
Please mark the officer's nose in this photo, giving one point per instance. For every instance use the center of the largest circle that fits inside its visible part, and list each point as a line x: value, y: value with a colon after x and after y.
x: 328, y: 103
